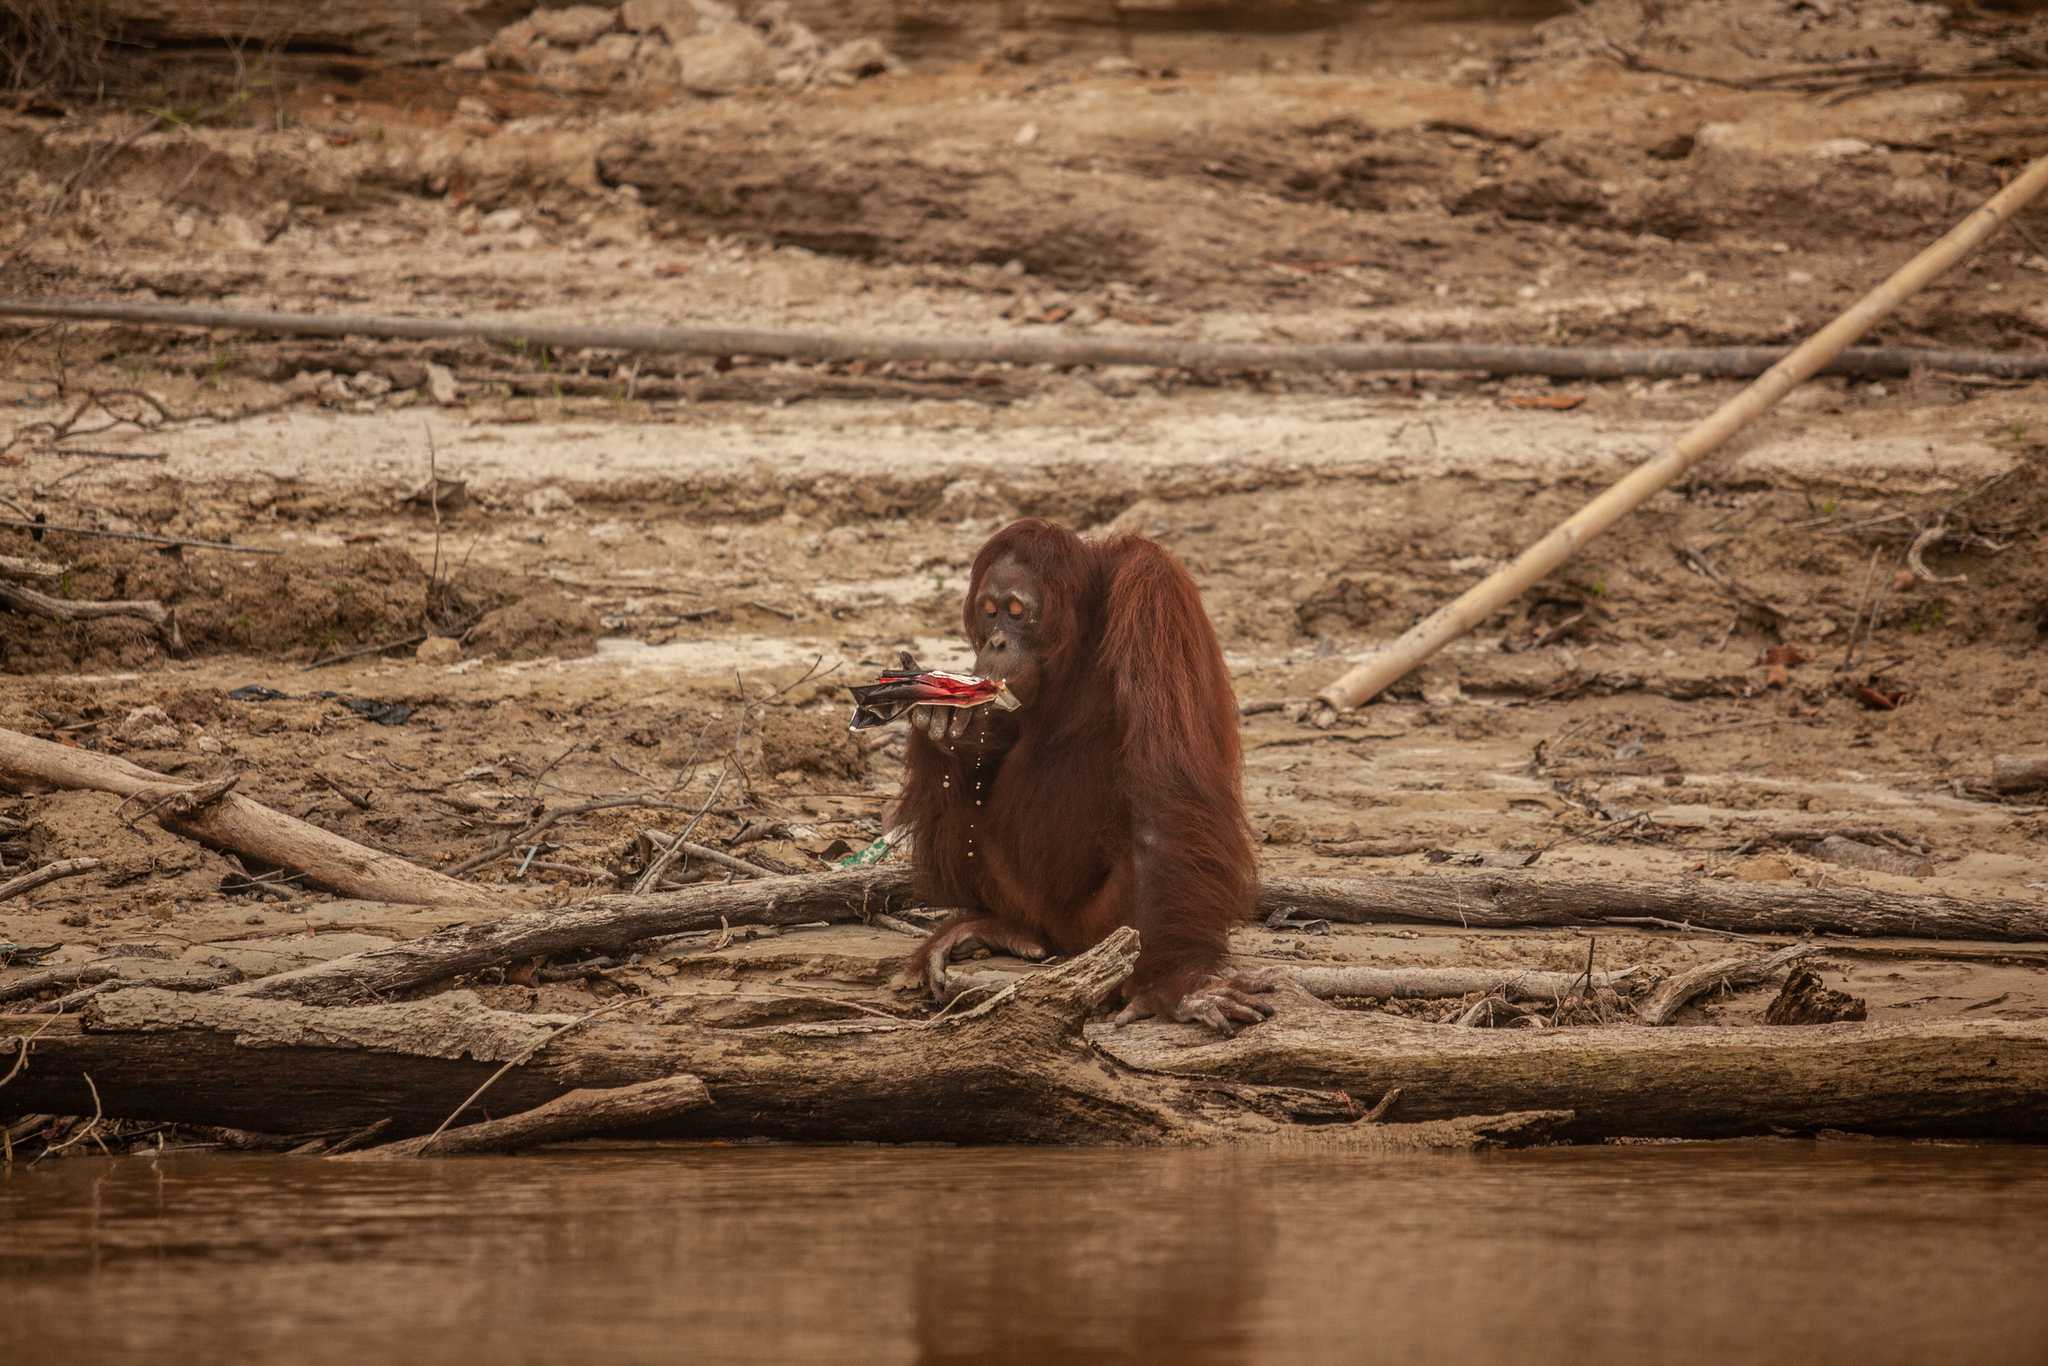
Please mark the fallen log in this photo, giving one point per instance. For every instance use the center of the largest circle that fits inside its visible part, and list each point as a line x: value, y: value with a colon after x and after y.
x: 1673, y: 995
x: 594, y: 926
x: 1981, y: 1078
x: 49, y: 872
x: 1502, y: 899
x: 228, y: 820
x: 1475, y: 901
x: 160, y: 618
x: 1026, y: 348
x: 43, y: 571
x: 1013, y: 1069
x: 2015, y: 773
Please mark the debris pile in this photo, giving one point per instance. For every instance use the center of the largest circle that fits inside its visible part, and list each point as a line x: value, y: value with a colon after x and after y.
x: 700, y: 46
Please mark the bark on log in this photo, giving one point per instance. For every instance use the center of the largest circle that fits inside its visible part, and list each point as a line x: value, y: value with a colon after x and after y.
x: 575, y: 1114
x: 1014, y: 1069
x: 1504, y: 900
x: 599, y: 924
x: 236, y: 823
x: 1424, y: 984
x: 1984, y: 1078
x: 1671, y: 996
x: 2011, y: 773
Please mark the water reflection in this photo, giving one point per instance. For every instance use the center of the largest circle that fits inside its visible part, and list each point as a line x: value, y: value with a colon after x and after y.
x: 1785, y: 1251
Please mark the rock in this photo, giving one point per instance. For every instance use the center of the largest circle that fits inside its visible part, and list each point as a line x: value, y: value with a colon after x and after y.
x: 512, y: 45
x: 725, y: 59
x: 502, y: 220
x: 475, y: 59
x: 1805, y: 1000
x: 549, y: 622
x: 610, y: 62
x: 439, y: 650
x: 576, y: 26
x: 369, y: 384
x: 964, y: 499
x: 148, y: 728
x: 675, y: 20
x: 184, y: 226
x: 209, y: 745
x: 1764, y: 868
x: 1872, y: 857
x: 854, y: 61
x: 441, y: 385
x: 1286, y: 830
x: 1842, y: 149
x: 548, y: 498
x: 470, y: 107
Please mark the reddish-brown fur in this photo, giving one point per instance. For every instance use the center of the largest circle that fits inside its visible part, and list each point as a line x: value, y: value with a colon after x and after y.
x: 1119, y: 800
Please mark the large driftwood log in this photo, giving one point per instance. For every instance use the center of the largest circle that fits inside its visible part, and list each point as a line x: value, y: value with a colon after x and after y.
x: 234, y: 822
x: 1014, y: 1069
x: 1986, y: 1078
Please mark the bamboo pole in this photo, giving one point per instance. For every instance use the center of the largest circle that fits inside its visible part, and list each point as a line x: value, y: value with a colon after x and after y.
x: 1447, y: 623
x: 1558, y: 362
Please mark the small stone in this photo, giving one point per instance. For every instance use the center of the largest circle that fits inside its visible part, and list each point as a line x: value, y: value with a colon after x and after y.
x: 576, y: 26
x: 209, y: 745
x: 1763, y: 868
x: 855, y: 61
x: 148, y: 728
x: 502, y: 220
x: 439, y: 650
x: 184, y: 227
x: 1027, y: 135
x: 469, y: 106
x: 1842, y: 149
x: 441, y: 385
x: 725, y: 59
x: 475, y: 59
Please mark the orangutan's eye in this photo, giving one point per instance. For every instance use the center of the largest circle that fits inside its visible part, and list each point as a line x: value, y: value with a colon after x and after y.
x: 1016, y: 608
x: 988, y: 606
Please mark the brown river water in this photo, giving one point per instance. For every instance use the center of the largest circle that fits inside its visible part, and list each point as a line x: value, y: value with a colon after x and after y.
x: 1777, y: 1251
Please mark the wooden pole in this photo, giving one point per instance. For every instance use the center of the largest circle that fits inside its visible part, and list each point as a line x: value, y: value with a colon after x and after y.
x: 1446, y: 624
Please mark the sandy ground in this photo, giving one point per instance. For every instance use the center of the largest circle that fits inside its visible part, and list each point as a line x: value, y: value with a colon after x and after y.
x: 664, y: 572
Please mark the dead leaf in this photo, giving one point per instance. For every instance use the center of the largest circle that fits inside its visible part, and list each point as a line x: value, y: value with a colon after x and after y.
x: 1561, y: 403
x: 1058, y: 313
x: 670, y: 269
x: 1877, y: 700
x: 1790, y: 656
x: 1778, y: 677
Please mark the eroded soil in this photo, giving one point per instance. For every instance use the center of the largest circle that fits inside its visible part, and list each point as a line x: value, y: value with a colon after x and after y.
x: 661, y: 571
